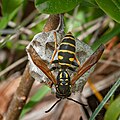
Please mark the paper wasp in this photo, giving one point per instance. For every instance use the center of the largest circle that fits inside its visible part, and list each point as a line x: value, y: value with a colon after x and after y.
x: 66, y: 58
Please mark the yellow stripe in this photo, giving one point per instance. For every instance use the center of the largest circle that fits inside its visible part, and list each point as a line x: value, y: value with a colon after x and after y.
x: 65, y: 64
x: 68, y: 51
x: 65, y: 43
x: 68, y: 38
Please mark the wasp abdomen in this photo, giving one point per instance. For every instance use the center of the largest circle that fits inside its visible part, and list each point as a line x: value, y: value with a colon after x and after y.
x: 66, y: 51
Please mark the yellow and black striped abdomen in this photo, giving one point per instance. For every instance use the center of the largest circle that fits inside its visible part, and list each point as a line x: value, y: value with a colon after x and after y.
x: 66, y: 50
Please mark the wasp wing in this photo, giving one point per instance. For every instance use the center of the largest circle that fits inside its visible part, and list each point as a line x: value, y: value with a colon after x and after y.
x: 93, y: 59
x: 41, y: 64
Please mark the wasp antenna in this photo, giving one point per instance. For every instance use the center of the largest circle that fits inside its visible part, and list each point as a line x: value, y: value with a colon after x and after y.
x: 53, y: 106
x: 76, y: 102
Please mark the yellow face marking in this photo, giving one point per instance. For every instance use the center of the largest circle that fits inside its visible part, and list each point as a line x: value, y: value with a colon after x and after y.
x: 61, y: 84
x: 61, y: 79
x: 60, y: 57
x: 71, y: 59
x: 65, y: 43
x: 66, y: 75
x: 66, y: 79
x: 60, y: 75
x: 71, y: 38
x: 66, y: 83
x: 68, y: 51
x: 65, y: 64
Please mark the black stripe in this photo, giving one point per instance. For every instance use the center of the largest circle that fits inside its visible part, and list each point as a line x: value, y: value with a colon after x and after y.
x: 68, y: 35
x: 67, y: 47
x: 69, y: 41
x: 66, y: 62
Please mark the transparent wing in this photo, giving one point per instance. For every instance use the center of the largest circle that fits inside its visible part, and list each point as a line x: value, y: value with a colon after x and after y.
x: 41, y: 64
x: 93, y: 59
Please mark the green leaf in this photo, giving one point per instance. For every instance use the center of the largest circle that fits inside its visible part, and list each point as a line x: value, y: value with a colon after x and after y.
x: 35, y: 99
x: 9, y: 6
x: 88, y: 3
x: 5, y: 19
x: 106, y: 98
x: 111, y: 8
x: 9, y: 10
x: 105, y: 38
x: 3, y: 22
x: 55, y: 6
x: 113, y: 111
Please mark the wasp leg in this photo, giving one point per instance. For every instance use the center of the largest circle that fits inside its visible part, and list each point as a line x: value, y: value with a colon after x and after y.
x: 50, y: 84
x: 72, y: 69
x: 54, y: 68
x: 55, y: 51
x: 78, y: 62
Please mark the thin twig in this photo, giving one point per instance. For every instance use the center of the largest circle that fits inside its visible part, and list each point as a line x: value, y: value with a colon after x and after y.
x: 110, y: 63
x: 13, y: 65
x: 94, y: 37
x: 18, y: 32
x: 104, y: 66
x: 29, y: 18
x: 89, y: 31
x: 86, y: 25
x: 23, y: 42
x: 8, y: 31
x: 41, y: 18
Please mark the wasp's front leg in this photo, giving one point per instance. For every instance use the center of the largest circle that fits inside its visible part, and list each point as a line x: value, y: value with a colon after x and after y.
x: 55, y: 50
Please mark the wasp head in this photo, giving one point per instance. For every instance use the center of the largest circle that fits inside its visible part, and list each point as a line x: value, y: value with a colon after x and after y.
x: 63, y: 86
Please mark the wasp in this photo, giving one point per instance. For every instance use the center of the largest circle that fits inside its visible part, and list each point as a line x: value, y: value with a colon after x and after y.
x: 66, y: 60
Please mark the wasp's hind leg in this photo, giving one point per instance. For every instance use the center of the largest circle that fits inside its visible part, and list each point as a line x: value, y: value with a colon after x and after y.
x: 55, y: 50
x: 78, y: 62
x: 50, y: 84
